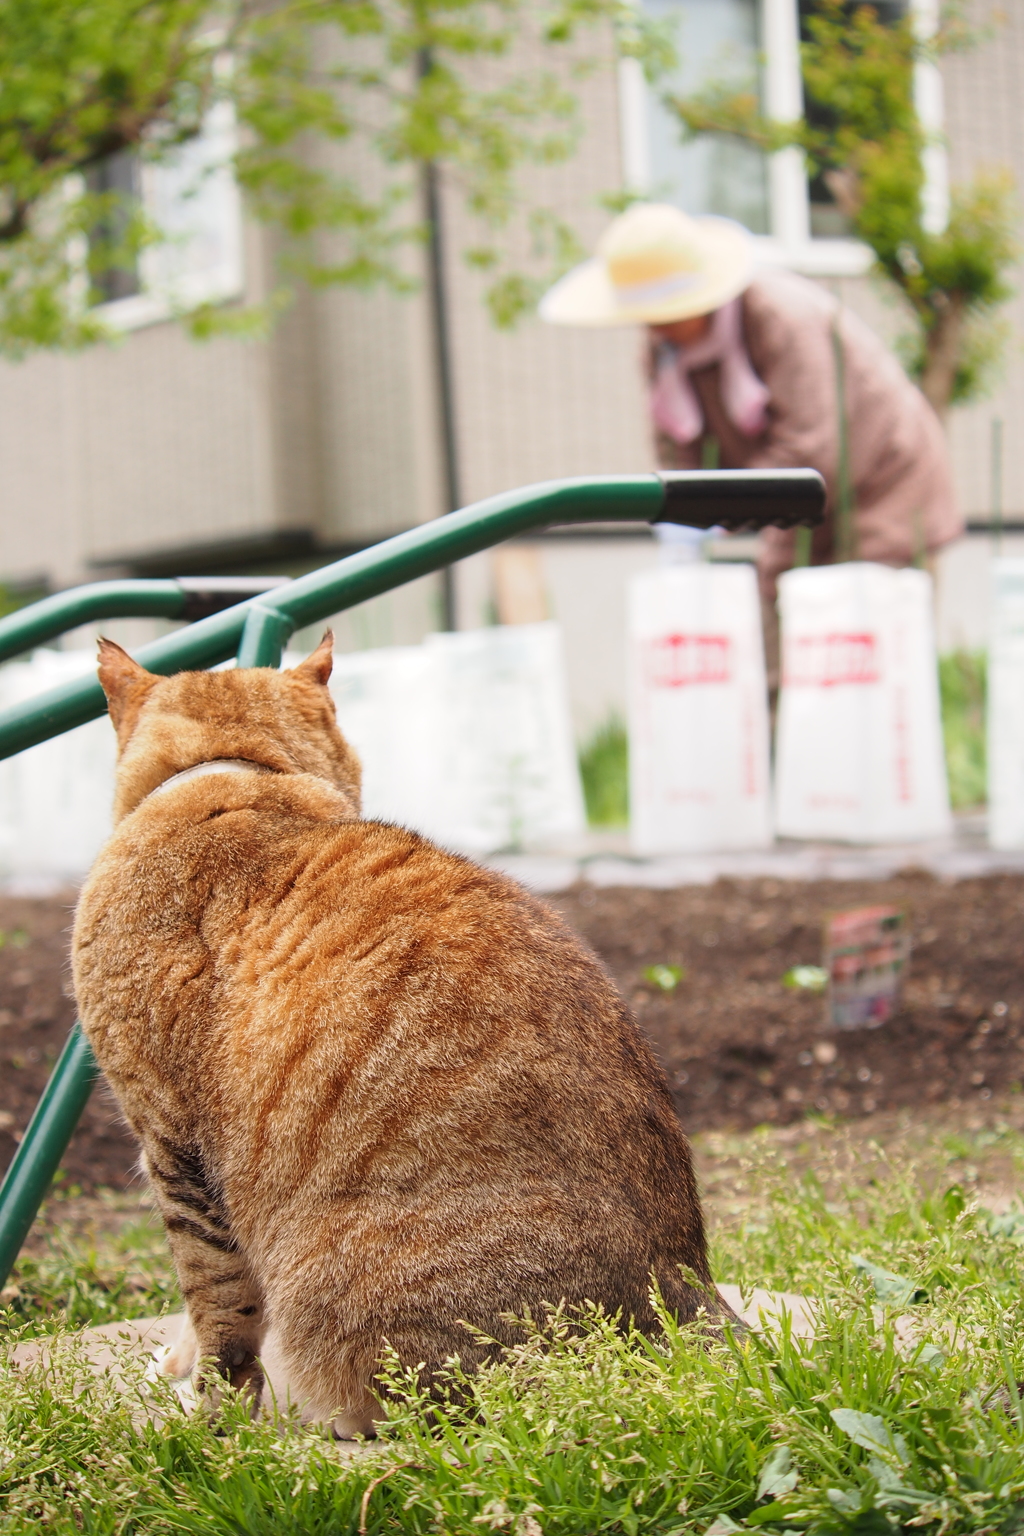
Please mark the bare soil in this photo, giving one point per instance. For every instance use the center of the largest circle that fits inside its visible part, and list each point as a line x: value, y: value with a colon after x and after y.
x: 740, y: 1049
x: 36, y: 1013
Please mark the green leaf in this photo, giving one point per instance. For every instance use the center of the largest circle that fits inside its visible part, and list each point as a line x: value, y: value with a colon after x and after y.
x: 806, y: 978
x: 844, y: 1500
x: 888, y: 1480
x: 869, y: 1432
x: 665, y: 977
x: 604, y: 770
x: 893, y: 1290
x: 1010, y: 1224
x: 953, y: 1202
x: 930, y: 1356
x: 777, y: 1474
x: 771, y: 1514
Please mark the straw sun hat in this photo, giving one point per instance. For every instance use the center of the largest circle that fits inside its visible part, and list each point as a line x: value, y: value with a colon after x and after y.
x: 654, y: 264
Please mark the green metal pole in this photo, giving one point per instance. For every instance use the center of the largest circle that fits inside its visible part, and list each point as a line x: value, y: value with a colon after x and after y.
x: 44, y: 1144
x: 55, y: 615
x: 257, y: 632
x: 71, y: 1082
x: 264, y: 637
x: 733, y: 498
x: 187, y: 598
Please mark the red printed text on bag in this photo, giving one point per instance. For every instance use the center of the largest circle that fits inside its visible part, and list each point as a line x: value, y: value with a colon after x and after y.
x: 824, y: 661
x: 676, y: 661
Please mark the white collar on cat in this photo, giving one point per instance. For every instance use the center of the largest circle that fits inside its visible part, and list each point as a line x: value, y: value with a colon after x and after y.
x: 215, y: 765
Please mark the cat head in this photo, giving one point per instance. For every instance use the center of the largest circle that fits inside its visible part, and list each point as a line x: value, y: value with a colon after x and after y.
x: 284, y: 721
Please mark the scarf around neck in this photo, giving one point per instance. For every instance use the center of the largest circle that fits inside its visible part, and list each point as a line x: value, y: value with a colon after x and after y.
x: 675, y: 408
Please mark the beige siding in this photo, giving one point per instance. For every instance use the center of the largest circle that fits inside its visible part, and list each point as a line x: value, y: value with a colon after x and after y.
x: 173, y: 443
x: 296, y: 420
x: 332, y: 425
x: 375, y: 405
x: 154, y: 443
x: 542, y: 401
x: 984, y: 90
x: 545, y: 403
x: 42, y: 492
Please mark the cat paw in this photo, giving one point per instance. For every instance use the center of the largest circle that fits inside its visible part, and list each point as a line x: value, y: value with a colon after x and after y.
x: 235, y: 1363
x: 181, y: 1359
x: 244, y: 1371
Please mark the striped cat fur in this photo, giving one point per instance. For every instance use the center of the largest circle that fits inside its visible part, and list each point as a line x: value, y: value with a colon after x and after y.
x: 382, y: 1093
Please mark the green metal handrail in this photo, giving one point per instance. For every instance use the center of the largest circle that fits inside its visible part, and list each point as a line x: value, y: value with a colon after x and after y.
x: 184, y: 597
x: 55, y: 615
x: 256, y: 632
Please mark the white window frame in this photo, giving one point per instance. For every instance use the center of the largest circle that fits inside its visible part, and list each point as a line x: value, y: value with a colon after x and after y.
x: 790, y: 243
x: 166, y: 294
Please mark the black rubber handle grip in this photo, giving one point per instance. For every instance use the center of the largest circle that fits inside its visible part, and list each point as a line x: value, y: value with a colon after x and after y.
x: 737, y: 499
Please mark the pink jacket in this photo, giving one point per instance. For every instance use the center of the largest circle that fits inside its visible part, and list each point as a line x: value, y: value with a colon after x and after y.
x: 899, y: 468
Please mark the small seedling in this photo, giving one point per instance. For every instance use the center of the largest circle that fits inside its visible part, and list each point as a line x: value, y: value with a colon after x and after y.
x: 665, y: 977
x: 806, y: 978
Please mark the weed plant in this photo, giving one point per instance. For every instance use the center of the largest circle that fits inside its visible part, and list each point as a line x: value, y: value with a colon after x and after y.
x: 604, y: 770
x: 80, y: 1284
x: 903, y: 1413
x: 962, y: 686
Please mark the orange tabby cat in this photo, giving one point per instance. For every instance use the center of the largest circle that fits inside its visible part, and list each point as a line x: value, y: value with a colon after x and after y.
x: 381, y: 1092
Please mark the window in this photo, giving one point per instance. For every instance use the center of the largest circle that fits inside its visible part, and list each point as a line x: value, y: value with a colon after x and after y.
x: 715, y: 39
x: 193, y: 199
x: 119, y: 175
x: 827, y: 221
x: 754, y: 44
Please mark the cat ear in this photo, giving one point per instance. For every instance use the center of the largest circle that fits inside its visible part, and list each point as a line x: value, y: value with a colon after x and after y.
x: 124, y: 682
x: 317, y: 667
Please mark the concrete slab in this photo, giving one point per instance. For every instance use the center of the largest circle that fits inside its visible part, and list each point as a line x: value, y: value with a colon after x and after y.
x: 765, y: 1310
x: 114, y: 1347
x: 108, y: 1347
x: 603, y: 859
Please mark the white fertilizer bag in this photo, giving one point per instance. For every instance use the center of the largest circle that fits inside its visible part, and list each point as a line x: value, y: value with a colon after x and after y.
x: 858, y: 751
x: 504, y: 761
x: 698, y: 712
x: 466, y: 738
x: 56, y: 798
x: 383, y: 699
x: 1006, y: 706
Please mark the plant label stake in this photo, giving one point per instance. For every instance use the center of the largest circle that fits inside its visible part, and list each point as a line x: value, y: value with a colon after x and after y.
x: 866, y: 954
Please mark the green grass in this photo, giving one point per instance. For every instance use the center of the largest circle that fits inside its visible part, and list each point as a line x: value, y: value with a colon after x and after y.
x: 604, y: 769
x: 863, y: 1430
x: 82, y: 1283
x: 962, y: 685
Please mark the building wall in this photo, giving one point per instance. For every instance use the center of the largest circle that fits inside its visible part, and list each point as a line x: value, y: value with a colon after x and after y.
x: 331, y: 425
x: 984, y: 90
x: 155, y: 441
x: 375, y: 403
x: 541, y: 402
